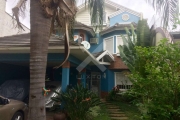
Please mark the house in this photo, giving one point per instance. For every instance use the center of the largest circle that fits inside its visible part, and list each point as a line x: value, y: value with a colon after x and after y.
x: 96, y: 64
x: 6, y: 23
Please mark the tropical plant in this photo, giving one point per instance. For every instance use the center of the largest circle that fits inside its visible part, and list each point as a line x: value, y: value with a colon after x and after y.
x: 143, y: 34
x: 159, y: 88
x: 127, y: 50
x: 144, y: 37
x: 78, y: 102
x: 167, y: 9
x: 43, y: 14
x: 112, y: 95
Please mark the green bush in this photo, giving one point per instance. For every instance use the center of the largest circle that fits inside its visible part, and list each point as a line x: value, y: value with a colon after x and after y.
x: 112, y: 95
x: 78, y: 102
x: 157, y: 81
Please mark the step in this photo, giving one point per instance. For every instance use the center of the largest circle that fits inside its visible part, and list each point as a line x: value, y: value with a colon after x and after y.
x: 117, y: 115
x: 113, y: 110
x: 116, y: 112
x: 112, y: 107
x: 119, y: 118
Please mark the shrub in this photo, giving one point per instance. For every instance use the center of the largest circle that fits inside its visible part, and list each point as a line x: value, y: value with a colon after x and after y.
x: 157, y: 81
x: 112, y: 95
x: 78, y: 102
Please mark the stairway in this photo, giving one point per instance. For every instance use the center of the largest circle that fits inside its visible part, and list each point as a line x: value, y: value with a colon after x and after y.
x: 114, y: 111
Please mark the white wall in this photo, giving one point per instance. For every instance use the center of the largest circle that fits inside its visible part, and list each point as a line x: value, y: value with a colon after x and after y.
x: 6, y: 23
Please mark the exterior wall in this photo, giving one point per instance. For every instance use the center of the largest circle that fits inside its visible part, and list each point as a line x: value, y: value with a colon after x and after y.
x: 107, y: 83
x: 117, y: 64
x: 6, y: 22
x: 10, y: 29
x: 83, y: 17
x: 99, y: 47
x: 2, y: 14
x: 118, y: 19
x: 109, y: 11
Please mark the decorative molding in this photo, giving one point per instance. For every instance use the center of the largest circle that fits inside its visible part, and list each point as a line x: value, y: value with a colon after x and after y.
x: 125, y: 17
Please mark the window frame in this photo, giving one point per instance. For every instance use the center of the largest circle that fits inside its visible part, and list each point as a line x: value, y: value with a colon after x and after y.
x: 105, y: 42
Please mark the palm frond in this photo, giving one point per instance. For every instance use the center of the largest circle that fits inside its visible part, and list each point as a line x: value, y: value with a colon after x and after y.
x: 96, y: 8
x: 167, y: 8
x: 19, y: 10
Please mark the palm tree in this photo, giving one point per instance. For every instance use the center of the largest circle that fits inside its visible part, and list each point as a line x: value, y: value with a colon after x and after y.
x: 169, y: 9
x: 43, y: 14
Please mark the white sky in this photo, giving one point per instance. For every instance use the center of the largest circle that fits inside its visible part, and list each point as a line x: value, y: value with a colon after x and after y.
x: 137, y: 5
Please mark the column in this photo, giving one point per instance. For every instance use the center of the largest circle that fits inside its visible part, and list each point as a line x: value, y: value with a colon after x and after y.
x: 83, y: 79
x: 65, y: 75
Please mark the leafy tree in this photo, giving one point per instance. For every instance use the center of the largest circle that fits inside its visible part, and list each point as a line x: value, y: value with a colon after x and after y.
x: 159, y: 88
x: 43, y: 14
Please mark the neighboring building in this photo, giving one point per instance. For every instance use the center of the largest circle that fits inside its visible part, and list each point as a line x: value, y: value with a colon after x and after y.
x: 100, y: 66
x: 6, y: 22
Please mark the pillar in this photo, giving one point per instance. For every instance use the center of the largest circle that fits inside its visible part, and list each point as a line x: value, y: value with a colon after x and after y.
x: 83, y: 77
x: 65, y: 75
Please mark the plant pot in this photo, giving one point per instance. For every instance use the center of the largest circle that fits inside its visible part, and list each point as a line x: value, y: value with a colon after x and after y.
x: 59, y: 116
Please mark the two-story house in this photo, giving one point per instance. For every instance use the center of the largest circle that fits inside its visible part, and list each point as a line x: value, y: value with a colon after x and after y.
x: 97, y: 64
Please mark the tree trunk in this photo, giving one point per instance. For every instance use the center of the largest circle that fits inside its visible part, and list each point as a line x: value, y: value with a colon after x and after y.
x: 40, y: 33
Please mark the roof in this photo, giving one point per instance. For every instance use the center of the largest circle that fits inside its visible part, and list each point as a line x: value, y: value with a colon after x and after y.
x: 117, y: 7
x: 105, y: 55
x: 79, y: 25
x: 118, y: 26
x: 23, y: 40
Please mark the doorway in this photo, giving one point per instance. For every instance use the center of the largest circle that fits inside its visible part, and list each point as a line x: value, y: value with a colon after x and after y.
x: 95, y: 82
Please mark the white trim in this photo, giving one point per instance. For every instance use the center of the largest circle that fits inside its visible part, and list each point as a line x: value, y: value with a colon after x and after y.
x: 105, y: 63
x: 105, y: 53
x: 123, y: 8
x: 115, y: 5
x: 116, y: 13
x: 115, y: 84
x: 104, y: 43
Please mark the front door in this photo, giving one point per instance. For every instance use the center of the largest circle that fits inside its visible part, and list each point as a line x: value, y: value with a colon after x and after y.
x: 95, y: 82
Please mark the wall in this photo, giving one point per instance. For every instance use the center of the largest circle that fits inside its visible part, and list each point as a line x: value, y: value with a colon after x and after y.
x: 107, y: 83
x: 118, y: 18
x: 83, y: 16
x: 6, y: 22
x: 99, y: 47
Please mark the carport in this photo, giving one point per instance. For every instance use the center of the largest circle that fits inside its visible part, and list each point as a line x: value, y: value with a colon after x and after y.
x: 14, y: 60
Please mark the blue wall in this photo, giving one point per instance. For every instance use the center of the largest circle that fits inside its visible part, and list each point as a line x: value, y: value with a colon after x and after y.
x: 107, y: 83
x: 99, y: 47
x: 118, y: 18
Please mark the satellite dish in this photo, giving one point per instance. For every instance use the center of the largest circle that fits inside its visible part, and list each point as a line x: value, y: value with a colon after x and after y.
x: 86, y: 44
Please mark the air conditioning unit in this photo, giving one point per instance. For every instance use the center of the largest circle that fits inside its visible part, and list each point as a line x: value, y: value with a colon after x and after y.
x: 94, y: 40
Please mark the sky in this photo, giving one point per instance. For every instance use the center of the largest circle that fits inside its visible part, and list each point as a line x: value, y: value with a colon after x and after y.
x: 136, y: 5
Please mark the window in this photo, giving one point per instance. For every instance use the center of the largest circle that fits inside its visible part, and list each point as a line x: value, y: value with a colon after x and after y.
x: 109, y: 44
x: 119, y: 41
x: 122, y: 81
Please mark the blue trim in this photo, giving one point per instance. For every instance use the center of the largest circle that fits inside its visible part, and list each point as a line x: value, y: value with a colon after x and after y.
x: 65, y: 78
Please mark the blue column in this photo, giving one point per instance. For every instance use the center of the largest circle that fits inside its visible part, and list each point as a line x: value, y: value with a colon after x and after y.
x: 65, y: 76
x: 83, y: 81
